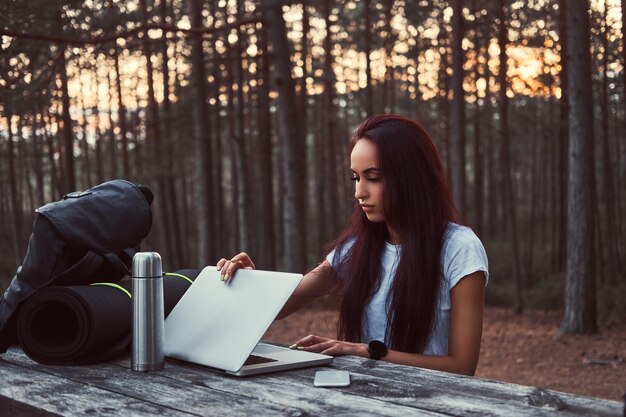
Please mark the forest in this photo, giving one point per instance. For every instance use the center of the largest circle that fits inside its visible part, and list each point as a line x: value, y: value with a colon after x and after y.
x: 238, y: 113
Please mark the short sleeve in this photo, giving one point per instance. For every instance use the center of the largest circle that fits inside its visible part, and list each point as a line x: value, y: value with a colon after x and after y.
x: 463, y: 254
x: 331, y: 256
x: 342, y: 252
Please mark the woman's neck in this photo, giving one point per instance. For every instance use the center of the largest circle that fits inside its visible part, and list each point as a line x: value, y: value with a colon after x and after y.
x: 393, y: 237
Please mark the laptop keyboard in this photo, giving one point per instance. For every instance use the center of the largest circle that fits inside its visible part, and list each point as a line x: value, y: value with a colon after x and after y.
x: 255, y: 360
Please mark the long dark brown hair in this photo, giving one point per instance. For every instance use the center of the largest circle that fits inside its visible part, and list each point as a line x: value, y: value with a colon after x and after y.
x: 417, y: 204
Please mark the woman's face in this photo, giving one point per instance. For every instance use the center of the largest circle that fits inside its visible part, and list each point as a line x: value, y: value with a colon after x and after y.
x: 367, y: 177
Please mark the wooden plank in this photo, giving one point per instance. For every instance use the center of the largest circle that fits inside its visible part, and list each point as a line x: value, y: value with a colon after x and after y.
x: 294, y: 392
x: 259, y: 393
x: 158, y: 388
x: 377, y: 388
x: 470, y: 390
x: 433, y: 399
x: 440, y: 392
x: 26, y: 392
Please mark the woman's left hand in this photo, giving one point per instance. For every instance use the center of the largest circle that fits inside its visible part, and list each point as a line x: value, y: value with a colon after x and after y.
x: 325, y: 346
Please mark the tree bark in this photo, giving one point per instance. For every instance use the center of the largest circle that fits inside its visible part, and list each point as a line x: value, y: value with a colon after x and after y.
x: 172, y: 192
x: 244, y: 196
x: 16, y: 207
x: 55, y: 186
x: 369, y: 95
x: 457, y: 112
x: 25, y: 163
x: 620, y: 151
x: 38, y: 161
x: 84, y: 145
x: 153, y: 132
x: 389, y: 93
x: 206, y: 196
x: 580, y: 306
x: 121, y: 109
x: 492, y: 193
x: 478, y: 151
x: 236, y: 157
x: 611, y: 244
x: 560, y: 215
x: 100, y: 172
x: 329, y: 148
x: 265, y: 178
x: 69, y: 179
x: 110, y: 134
x: 509, y: 206
x: 293, y: 259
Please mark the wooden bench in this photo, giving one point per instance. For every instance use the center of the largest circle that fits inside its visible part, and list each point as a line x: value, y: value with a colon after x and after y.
x: 377, y: 388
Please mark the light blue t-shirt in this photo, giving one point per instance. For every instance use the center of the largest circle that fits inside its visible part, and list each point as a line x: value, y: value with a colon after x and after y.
x: 462, y: 254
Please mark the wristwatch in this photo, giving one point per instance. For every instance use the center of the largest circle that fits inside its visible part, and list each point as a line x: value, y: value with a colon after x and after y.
x: 377, y: 349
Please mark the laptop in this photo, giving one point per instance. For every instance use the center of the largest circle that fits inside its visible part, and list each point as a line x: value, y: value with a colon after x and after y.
x: 219, y: 324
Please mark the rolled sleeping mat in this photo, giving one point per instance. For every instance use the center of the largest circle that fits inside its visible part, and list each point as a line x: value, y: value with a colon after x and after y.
x: 77, y: 325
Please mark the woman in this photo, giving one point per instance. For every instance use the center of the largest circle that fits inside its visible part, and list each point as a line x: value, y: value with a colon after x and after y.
x: 411, y: 278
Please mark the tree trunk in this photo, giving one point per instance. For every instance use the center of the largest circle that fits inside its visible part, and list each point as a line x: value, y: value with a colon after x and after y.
x: 170, y: 149
x: 5, y: 195
x: 24, y: 163
x: 534, y: 200
x: 110, y: 134
x: 330, y: 149
x: 620, y: 152
x: 221, y: 218
x: 100, y: 174
x: 560, y: 215
x: 444, y: 88
x: 457, y: 113
x: 388, y: 94
x: 302, y: 138
x: 369, y: 96
x: 509, y: 204
x: 492, y: 201
x: 478, y: 152
x: 84, y: 144
x: 613, y: 263
x: 55, y: 183
x: 69, y: 180
x: 303, y: 97
x: 16, y: 207
x: 38, y: 161
x: 293, y: 259
x: 206, y: 196
x: 236, y: 157
x: 121, y: 109
x: 265, y: 178
x: 153, y: 132
x: 580, y: 306
x: 244, y: 196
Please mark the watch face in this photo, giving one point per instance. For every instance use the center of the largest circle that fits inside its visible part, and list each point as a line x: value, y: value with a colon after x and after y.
x: 377, y: 349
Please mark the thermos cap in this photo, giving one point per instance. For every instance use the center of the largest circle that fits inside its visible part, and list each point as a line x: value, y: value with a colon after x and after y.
x: 147, y: 265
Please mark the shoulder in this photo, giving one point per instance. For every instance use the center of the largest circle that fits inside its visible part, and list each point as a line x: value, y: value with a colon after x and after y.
x: 340, y: 252
x: 462, y: 253
x: 456, y: 233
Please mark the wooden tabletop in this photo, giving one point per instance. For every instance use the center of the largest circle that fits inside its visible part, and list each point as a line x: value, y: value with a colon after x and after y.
x: 378, y: 388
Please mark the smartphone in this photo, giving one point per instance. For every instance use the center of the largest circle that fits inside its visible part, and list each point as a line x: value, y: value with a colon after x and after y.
x: 332, y: 379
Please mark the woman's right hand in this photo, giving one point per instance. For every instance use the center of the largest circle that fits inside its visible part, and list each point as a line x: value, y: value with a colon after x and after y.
x: 228, y: 267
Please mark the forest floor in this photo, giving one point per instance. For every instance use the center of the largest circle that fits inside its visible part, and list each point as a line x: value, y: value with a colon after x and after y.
x: 524, y: 349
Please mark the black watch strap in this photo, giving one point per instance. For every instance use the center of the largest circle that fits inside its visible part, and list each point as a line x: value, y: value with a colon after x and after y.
x: 377, y: 349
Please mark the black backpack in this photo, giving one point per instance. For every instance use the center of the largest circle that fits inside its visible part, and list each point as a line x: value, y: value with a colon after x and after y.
x: 87, y: 236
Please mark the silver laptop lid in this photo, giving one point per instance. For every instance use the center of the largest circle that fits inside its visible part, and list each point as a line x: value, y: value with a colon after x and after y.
x: 218, y: 324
